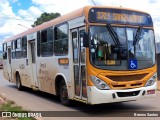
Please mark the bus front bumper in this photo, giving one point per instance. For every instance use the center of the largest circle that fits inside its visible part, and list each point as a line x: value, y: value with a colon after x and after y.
x: 97, y: 96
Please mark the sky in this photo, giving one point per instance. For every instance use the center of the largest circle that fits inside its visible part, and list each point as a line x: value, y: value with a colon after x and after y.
x: 18, y: 15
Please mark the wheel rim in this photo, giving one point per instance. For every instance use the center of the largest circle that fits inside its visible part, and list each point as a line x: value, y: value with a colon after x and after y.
x: 18, y: 81
x: 64, y: 94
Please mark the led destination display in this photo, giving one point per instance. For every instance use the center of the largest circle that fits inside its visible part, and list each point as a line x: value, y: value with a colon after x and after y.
x: 116, y: 16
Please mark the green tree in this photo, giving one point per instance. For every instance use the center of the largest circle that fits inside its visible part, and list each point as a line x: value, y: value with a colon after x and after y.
x: 45, y: 17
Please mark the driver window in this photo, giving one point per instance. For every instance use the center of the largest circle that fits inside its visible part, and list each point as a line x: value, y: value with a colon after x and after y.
x: 104, y: 47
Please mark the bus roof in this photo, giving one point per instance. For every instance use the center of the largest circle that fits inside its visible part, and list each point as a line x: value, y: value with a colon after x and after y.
x: 69, y: 16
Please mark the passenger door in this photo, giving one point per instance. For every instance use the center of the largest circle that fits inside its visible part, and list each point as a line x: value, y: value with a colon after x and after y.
x: 32, y: 62
x: 79, y: 64
x: 9, y: 69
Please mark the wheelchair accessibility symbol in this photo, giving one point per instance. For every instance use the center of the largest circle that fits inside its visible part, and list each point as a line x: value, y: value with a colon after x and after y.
x: 133, y: 64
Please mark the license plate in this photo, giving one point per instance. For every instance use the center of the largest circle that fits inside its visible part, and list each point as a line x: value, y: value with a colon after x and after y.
x: 150, y: 92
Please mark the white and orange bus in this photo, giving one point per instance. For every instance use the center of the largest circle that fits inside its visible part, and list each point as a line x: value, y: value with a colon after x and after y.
x: 96, y: 54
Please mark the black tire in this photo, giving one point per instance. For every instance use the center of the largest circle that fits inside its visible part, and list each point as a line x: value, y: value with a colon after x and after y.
x: 18, y: 82
x: 63, y: 94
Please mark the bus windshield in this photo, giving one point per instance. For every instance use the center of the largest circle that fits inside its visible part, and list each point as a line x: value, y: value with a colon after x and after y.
x: 113, y: 47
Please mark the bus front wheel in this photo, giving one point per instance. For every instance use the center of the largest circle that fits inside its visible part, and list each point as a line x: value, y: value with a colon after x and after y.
x: 18, y: 82
x: 64, y: 94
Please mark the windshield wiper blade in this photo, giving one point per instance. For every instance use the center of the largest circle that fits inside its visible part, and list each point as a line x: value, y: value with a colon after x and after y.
x: 137, y: 36
x: 113, y: 34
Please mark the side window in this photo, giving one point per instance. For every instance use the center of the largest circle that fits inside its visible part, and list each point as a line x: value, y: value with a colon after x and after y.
x: 38, y: 44
x: 24, y: 47
x: 19, y: 43
x: 82, y: 48
x: 44, y: 36
x: 5, y: 51
x: 47, y: 42
x: 18, y: 49
x: 61, y: 40
x: 75, y: 47
x: 13, y: 49
x: 44, y: 43
x: 50, y: 41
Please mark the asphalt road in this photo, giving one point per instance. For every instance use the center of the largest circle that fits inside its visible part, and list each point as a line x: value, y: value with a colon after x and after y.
x: 39, y: 101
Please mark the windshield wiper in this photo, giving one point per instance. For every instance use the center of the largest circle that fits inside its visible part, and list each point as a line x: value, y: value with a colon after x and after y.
x: 113, y: 34
x: 137, y: 36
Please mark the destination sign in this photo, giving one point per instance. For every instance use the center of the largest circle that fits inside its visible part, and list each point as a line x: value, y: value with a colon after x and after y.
x: 119, y: 17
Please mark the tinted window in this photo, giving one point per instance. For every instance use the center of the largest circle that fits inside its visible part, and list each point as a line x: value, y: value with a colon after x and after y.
x: 47, y: 42
x: 5, y: 51
x: 24, y: 46
x: 13, y: 45
x: 38, y: 44
x: 18, y: 49
x: 44, y: 36
x: 13, y: 49
x: 61, y: 40
x: 19, y: 43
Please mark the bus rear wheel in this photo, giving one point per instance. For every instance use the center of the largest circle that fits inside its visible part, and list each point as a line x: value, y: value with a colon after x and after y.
x: 18, y: 82
x: 63, y: 93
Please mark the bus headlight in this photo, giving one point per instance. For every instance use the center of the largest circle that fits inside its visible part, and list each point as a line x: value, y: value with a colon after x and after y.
x: 152, y: 80
x: 100, y: 84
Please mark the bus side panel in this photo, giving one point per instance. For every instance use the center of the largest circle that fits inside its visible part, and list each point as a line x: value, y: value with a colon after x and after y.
x: 19, y: 65
x: 6, y: 62
x: 47, y: 69
x: 5, y: 70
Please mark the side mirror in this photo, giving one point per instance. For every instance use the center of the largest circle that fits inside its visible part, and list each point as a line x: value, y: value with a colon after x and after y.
x: 84, y: 39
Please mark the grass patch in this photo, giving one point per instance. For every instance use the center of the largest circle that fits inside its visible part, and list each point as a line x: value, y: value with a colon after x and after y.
x: 11, y: 107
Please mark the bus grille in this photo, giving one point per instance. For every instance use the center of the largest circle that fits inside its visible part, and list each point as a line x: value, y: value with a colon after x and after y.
x: 126, y: 78
x: 127, y: 94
